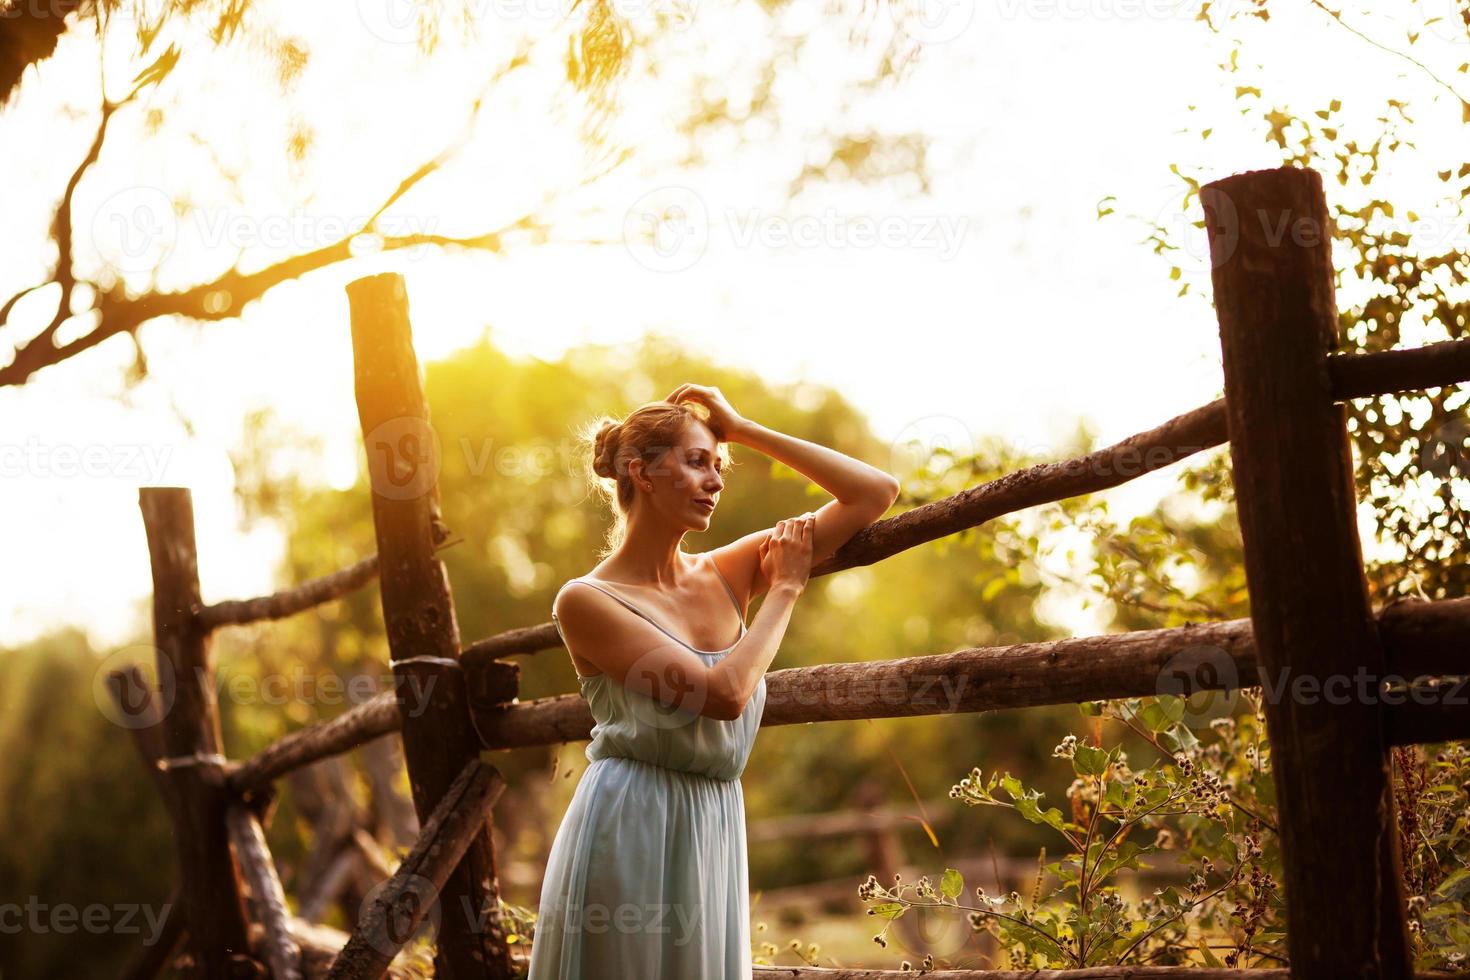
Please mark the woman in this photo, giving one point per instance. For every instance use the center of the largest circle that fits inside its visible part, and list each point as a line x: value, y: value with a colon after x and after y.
x: 647, y: 876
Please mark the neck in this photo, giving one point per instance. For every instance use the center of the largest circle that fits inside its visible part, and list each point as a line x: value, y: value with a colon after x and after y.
x: 650, y: 553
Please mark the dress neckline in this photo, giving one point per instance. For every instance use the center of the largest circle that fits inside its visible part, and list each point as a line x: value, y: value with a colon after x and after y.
x: 681, y: 641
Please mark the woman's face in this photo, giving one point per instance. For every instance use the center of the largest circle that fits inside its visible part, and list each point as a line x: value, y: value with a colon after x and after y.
x: 687, y: 479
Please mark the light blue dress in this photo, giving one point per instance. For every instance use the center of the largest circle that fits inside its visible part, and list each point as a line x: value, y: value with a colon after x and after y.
x: 647, y: 877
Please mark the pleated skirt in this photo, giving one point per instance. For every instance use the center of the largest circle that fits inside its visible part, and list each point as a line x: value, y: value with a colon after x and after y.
x: 647, y: 879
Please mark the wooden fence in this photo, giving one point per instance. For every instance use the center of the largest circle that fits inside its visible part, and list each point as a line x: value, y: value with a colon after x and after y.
x: 1269, y: 236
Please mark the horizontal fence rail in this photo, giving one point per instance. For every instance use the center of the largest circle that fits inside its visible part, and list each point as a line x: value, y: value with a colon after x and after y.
x: 308, y: 595
x: 1422, y: 639
x: 1067, y: 671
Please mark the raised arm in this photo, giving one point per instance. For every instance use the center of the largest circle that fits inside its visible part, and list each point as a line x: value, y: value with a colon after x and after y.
x: 863, y: 492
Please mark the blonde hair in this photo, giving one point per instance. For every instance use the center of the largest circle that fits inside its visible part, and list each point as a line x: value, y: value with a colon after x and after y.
x: 645, y: 433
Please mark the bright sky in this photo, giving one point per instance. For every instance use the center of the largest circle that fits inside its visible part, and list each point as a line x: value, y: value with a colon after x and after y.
x: 997, y: 304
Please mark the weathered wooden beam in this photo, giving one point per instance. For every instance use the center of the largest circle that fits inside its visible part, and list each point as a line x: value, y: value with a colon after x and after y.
x: 1446, y: 718
x: 439, y: 738
x: 288, y: 602
x: 366, y: 721
x: 1271, y: 268
x: 390, y: 919
x: 319, y: 948
x: 1420, y: 638
x: 137, y: 710
x: 1206, y: 656
x: 1387, y: 371
x: 1427, y: 640
x: 279, y: 947
x: 191, y: 737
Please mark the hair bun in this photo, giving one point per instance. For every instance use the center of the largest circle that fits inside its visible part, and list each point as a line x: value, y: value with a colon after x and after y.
x: 605, y: 450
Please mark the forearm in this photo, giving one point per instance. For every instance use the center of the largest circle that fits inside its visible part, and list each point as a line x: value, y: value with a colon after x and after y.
x: 849, y: 480
x: 737, y: 674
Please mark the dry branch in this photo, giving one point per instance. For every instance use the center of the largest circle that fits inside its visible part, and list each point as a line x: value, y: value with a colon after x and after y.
x: 389, y: 920
x: 319, y: 947
x: 279, y: 947
x: 306, y: 745
x: 288, y: 602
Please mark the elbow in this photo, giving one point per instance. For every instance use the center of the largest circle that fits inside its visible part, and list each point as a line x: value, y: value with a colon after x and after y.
x: 889, y: 489
x: 724, y: 705
x: 883, y: 495
x: 728, y: 710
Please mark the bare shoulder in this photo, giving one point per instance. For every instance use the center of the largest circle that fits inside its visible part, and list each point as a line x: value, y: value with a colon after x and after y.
x: 580, y: 607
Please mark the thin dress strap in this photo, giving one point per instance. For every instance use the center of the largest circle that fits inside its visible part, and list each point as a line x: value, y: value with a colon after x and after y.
x: 655, y: 622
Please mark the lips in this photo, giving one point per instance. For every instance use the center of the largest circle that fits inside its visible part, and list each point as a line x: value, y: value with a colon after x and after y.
x: 708, y: 505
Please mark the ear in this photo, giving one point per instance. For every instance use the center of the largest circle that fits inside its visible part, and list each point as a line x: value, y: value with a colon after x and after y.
x: 638, y: 472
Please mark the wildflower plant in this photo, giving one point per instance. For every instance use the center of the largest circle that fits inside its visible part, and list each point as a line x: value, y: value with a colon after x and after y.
x: 1207, y: 795
x: 1211, y: 804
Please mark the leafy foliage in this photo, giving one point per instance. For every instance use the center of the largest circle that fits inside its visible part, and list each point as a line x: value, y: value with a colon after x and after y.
x: 1210, y: 801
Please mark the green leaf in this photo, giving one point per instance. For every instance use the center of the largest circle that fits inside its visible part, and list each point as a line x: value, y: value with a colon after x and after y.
x: 952, y: 883
x: 1089, y: 761
x: 1162, y: 712
x: 888, y: 910
x: 1125, y: 855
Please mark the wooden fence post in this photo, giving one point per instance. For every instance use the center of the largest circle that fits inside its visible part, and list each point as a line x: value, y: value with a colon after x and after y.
x: 189, y: 719
x: 439, y: 737
x: 1270, y: 239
